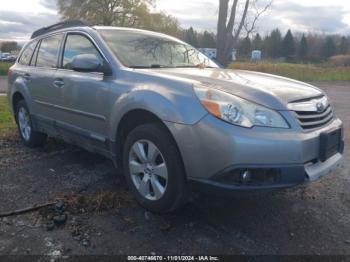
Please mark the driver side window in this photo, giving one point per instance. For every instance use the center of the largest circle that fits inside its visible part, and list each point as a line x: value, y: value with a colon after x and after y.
x: 77, y: 45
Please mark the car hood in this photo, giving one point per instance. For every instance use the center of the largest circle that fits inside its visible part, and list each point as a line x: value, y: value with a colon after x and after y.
x: 265, y: 89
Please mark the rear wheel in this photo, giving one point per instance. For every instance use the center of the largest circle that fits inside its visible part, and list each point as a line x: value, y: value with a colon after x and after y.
x: 153, y: 168
x: 29, y: 136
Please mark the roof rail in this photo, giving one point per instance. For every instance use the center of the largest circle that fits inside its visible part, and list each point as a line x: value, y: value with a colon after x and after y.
x: 62, y: 25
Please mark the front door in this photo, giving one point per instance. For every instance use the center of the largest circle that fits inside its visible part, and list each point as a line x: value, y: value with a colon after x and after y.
x: 85, y: 95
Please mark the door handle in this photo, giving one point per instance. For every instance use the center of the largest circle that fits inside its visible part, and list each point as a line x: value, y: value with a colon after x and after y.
x: 58, y: 83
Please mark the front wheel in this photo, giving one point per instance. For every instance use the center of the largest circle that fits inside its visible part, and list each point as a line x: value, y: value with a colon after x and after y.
x: 153, y: 168
x: 29, y: 136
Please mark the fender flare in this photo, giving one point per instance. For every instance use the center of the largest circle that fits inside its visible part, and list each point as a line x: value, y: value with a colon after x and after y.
x: 20, y: 87
x: 170, y: 107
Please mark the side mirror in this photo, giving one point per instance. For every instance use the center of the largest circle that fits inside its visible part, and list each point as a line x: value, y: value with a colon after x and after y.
x: 90, y: 63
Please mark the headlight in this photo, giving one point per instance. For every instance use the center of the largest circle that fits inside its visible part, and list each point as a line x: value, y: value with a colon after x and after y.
x: 236, y: 110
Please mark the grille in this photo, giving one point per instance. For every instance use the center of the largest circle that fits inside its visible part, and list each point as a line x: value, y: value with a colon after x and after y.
x: 313, y: 119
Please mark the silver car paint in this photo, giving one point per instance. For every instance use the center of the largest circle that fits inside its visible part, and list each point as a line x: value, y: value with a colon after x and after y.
x: 265, y: 89
x: 213, y: 145
x: 96, y: 104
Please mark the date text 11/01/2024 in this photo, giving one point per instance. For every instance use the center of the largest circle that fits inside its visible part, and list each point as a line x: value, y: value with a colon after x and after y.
x: 173, y: 258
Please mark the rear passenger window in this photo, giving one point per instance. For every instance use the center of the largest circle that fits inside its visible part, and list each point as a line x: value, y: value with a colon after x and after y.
x: 27, y: 54
x: 77, y: 45
x: 48, y: 51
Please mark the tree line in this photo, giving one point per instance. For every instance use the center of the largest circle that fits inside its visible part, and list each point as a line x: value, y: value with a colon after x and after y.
x: 300, y: 47
x: 235, y: 18
x: 8, y: 46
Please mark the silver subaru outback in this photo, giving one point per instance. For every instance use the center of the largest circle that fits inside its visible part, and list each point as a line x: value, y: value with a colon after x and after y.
x: 168, y: 115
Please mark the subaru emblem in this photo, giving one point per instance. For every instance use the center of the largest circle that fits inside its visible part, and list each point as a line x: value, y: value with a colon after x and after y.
x: 320, y: 107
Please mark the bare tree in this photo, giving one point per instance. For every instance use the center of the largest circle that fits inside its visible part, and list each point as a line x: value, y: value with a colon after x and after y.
x: 232, y: 20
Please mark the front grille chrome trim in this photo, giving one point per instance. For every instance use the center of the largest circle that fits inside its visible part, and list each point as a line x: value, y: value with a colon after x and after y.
x: 310, y: 116
x: 316, y: 123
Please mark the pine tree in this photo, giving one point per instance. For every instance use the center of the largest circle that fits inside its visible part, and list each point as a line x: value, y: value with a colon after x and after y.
x: 343, y: 47
x: 245, y: 47
x: 190, y: 36
x: 208, y: 40
x: 303, y: 48
x: 288, y: 46
x: 328, y: 48
x: 272, y: 44
x: 257, y: 42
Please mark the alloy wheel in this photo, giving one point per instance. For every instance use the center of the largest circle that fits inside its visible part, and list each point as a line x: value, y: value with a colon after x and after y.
x: 148, y: 170
x: 24, y: 123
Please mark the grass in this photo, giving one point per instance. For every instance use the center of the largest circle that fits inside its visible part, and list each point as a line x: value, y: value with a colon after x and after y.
x: 7, y: 123
x: 302, y: 72
x: 4, y: 66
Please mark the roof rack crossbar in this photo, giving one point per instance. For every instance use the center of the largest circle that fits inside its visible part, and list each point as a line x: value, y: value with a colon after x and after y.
x: 61, y: 25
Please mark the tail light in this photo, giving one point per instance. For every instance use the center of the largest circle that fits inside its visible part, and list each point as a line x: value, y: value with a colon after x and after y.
x: 9, y: 73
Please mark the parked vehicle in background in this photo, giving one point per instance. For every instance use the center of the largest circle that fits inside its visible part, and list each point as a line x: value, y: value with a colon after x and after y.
x: 4, y: 56
x: 168, y: 115
x: 7, y: 57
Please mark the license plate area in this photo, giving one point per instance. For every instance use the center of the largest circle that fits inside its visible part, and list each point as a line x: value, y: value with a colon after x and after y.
x: 330, y: 143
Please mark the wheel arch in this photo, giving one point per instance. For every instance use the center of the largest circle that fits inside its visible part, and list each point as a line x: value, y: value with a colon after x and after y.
x: 16, y: 98
x: 130, y: 121
x: 19, y: 90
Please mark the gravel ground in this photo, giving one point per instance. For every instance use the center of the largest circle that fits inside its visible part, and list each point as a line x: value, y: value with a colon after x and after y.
x: 103, y: 218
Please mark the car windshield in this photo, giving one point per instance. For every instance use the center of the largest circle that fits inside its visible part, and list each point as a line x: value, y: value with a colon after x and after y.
x: 137, y: 49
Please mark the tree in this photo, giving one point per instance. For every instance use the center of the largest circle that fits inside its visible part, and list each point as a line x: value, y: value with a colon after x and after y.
x: 129, y: 13
x: 231, y: 21
x: 272, y: 44
x: 328, y: 48
x: 190, y: 36
x: 257, y: 42
x: 288, y: 45
x: 245, y: 47
x: 208, y: 40
x: 343, y: 47
x: 105, y: 12
x: 303, y: 48
x: 9, y: 46
x: 161, y: 22
x: 315, y: 43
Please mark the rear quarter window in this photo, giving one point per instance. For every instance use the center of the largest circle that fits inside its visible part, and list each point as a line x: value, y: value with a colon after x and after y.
x: 27, y: 53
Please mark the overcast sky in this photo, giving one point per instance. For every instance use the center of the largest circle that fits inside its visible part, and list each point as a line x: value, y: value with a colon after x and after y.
x: 18, y: 18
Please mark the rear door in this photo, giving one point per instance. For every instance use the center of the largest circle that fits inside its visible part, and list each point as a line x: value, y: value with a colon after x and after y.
x: 85, y: 95
x: 43, y: 67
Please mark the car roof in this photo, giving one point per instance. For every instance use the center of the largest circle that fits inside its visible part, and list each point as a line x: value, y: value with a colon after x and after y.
x: 76, y: 25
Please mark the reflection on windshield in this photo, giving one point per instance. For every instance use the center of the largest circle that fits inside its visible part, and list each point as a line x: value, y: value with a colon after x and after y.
x: 145, y: 50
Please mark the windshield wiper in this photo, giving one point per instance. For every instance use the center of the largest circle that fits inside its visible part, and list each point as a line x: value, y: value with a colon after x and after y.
x: 150, y: 66
x: 193, y: 66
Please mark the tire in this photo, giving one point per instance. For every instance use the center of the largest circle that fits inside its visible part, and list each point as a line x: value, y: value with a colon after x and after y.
x: 166, y: 186
x: 29, y: 136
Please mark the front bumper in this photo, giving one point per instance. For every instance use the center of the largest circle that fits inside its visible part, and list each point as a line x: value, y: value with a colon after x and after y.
x: 289, y: 176
x: 212, y: 149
